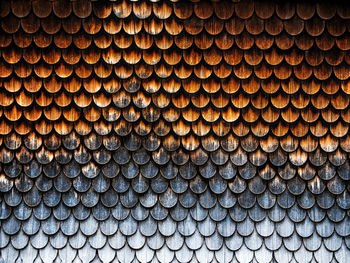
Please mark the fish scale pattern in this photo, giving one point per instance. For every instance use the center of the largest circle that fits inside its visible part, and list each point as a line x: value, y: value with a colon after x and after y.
x: 174, y: 131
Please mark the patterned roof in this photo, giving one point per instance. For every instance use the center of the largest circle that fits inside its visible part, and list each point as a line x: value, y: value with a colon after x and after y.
x: 174, y: 131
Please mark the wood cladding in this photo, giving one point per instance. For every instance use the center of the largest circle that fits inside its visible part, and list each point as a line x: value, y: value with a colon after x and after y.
x: 174, y: 131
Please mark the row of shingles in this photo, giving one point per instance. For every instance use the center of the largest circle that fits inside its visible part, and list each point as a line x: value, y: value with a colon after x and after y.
x: 223, y: 255
x: 43, y: 9
x: 252, y: 243
x: 223, y: 10
x: 238, y: 245
x: 327, y: 88
x: 203, y: 250
x: 104, y: 70
x: 97, y: 244
x: 145, y: 254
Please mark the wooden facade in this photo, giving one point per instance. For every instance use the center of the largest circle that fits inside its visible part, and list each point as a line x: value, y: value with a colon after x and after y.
x: 174, y: 131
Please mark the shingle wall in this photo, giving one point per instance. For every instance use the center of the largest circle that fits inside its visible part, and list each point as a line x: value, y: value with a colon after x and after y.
x: 164, y: 131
